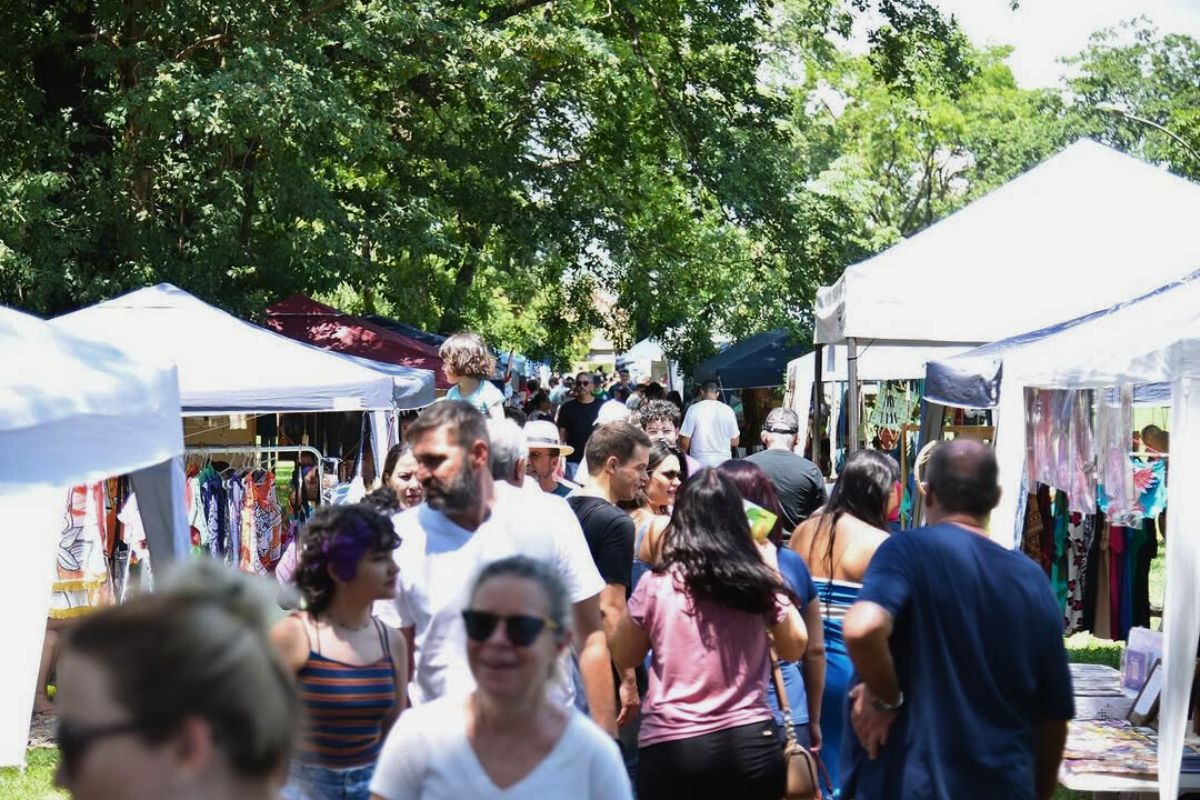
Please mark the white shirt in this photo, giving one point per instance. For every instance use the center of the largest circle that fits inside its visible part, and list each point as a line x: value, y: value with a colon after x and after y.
x: 427, y: 757
x: 711, y: 425
x: 439, y: 560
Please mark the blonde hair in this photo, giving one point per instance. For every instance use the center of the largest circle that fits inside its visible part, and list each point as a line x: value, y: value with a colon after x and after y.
x: 199, y: 648
x: 468, y: 356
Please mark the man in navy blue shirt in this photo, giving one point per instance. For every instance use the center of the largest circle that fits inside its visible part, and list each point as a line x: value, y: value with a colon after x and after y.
x: 958, y: 643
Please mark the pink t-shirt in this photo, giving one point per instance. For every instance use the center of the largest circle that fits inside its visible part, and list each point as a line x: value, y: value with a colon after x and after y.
x: 710, y: 662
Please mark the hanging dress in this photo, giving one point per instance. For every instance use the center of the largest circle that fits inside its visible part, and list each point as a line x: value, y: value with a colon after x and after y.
x: 262, y: 524
x: 83, y: 582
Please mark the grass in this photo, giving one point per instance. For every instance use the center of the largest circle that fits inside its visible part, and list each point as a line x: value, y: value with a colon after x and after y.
x: 36, y: 782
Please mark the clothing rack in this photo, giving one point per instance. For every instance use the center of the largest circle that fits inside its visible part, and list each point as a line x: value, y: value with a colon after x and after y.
x: 259, y: 450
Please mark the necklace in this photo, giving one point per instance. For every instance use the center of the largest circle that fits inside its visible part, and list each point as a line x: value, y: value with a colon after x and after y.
x: 351, y: 628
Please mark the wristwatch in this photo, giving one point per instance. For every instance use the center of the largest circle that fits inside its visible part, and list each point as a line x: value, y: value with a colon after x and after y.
x: 888, y: 708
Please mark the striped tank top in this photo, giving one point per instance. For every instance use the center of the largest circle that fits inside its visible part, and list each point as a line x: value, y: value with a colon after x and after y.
x: 346, y: 706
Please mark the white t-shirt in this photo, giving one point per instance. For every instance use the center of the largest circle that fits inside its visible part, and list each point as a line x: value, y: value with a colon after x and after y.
x: 710, y: 424
x: 427, y: 757
x: 439, y: 560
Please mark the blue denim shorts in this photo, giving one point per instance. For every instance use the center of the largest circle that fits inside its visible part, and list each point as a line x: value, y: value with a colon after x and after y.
x: 312, y: 782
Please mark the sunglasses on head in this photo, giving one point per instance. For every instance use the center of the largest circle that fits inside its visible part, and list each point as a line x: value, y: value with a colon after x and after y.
x: 74, y: 740
x: 520, y: 629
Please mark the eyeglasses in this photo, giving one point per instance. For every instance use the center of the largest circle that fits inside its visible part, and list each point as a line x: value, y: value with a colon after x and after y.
x: 74, y: 740
x: 520, y: 629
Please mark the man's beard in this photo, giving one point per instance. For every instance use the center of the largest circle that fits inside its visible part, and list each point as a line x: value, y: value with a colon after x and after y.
x: 461, y: 494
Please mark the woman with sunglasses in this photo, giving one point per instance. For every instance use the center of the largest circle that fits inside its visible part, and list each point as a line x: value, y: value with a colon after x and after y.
x: 651, y: 509
x: 351, y: 669
x: 506, y: 737
x: 176, y: 694
x: 705, y: 610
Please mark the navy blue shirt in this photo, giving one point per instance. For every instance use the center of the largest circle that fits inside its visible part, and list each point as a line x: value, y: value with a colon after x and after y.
x: 978, y: 647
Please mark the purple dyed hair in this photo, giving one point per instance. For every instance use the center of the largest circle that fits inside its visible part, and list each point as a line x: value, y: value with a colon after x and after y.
x: 335, y: 539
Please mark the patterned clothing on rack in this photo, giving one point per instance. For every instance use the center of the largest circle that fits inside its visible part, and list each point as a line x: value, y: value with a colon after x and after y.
x: 235, y: 494
x: 1150, y: 478
x: 1080, y: 530
x: 197, y: 518
x: 82, y: 571
x: 262, y: 524
x: 214, y: 500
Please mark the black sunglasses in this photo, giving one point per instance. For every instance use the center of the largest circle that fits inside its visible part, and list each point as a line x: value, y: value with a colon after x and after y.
x: 74, y: 740
x: 670, y: 474
x: 520, y: 629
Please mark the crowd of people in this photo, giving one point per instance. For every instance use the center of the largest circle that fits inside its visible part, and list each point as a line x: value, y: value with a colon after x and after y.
x: 589, y: 605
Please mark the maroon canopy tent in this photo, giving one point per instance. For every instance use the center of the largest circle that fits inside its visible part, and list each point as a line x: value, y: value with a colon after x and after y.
x: 305, y: 320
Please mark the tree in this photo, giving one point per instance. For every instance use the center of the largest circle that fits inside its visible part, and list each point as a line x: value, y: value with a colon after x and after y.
x: 492, y: 164
x: 1157, y: 78
x: 904, y: 156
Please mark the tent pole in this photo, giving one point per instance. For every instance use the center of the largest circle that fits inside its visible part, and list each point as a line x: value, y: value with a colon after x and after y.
x: 818, y: 395
x: 852, y: 394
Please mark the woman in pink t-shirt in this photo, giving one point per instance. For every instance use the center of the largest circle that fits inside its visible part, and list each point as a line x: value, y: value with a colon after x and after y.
x: 706, y: 730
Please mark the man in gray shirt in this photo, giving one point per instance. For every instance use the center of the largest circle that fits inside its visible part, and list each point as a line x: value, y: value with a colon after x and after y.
x: 797, y: 481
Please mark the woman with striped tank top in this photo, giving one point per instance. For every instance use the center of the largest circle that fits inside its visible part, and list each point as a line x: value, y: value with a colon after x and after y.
x: 837, y: 544
x: 350, y: 668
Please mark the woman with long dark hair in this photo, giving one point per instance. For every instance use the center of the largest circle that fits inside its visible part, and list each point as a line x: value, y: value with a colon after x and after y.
x: 706, y: 728
x: 350, y: 667
x: 803, y: 681
x: 651, y: 509
x: 837, y: 544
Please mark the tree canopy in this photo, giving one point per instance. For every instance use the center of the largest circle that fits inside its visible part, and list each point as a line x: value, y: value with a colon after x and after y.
x: 526, y: 168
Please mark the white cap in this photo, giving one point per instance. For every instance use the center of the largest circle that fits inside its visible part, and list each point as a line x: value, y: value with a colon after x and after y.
x: 612, y: 411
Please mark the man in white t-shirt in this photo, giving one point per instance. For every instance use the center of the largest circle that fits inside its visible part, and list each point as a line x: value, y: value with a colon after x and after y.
x: 469, y: 520
x: 710, y: 428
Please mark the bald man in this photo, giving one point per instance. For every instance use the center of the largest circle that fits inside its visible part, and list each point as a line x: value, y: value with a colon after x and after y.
x: 958, y: 643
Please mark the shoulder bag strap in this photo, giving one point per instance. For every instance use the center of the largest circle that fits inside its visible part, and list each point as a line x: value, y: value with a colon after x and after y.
x: 785, y: 708
x: 781, y: 693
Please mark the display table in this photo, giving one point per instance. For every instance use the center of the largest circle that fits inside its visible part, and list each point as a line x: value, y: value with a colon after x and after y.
x: 1124, y: 788
x: 1099, y: 693
x: 1104, y: 754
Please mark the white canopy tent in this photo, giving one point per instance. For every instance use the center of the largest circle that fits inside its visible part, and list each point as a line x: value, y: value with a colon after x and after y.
x: 72, y: 411
x: 1087, y: 228
x: 646, y: 359
x: 994, y: 376
x: 1158, y: 349
x: 876, y: 362
x: 227, y: 365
